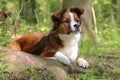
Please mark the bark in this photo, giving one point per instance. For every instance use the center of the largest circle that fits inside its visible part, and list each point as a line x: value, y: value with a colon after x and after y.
x: 87, y: 17
x: 19, y: 61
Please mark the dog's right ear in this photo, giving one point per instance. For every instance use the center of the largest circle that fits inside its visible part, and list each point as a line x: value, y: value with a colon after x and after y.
x: 58, y: 15
x: 78, y: 11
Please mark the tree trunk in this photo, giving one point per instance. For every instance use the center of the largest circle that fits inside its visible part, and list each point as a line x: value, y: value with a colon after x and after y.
x: 60, y: 3
x: 87, y: 17
x: 28, y: 12
x: 118, y: 13
x: 114, y: 12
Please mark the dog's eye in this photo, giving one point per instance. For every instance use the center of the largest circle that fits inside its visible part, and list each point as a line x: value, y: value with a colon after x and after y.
x: 66, y: 21
x: 77, y: 20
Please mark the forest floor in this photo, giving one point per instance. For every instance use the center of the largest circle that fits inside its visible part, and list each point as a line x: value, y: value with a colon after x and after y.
x: 102, y: 67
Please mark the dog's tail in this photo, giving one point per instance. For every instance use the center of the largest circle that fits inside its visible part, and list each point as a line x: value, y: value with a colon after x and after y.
x: 14, y: 46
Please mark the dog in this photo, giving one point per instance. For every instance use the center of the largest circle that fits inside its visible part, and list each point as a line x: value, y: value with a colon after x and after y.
x: 61, y: 42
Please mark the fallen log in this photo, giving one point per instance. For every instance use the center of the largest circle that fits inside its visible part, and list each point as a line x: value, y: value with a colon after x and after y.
x: 19, y: 61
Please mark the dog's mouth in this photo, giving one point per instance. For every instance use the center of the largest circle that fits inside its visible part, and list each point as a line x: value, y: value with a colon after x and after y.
x: 77, y: 30
x: 74, y: 32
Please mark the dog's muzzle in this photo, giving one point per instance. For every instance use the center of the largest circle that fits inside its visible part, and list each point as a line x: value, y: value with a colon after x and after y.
x: 77, y: 29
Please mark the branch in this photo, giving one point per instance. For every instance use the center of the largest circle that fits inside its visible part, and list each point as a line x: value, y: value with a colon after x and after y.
x: 15, y: 21
x: 94, y: 19
x: 36, y: 15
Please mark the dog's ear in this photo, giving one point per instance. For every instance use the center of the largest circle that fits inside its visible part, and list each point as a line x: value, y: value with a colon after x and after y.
x: 78, y: 11
x: 57, y: 15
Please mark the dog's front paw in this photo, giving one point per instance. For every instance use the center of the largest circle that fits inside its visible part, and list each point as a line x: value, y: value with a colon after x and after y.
x: 82, y: 63
x: 62, y: 58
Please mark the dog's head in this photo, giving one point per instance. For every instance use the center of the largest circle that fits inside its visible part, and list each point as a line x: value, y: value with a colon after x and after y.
x: 67, y: 22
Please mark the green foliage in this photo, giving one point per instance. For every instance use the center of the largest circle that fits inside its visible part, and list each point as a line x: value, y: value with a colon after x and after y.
x: 107, y: 13
x: 31, y: 73
x: 37, y: 73
x: 44, y: 10
x: 7, y: 30
x: 109, y: 40
x: 4, y: 34
x: 3, y: 66
x: 3, y: 3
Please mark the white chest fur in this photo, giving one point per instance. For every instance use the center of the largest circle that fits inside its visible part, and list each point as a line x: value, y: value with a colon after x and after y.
x: 70, y: 48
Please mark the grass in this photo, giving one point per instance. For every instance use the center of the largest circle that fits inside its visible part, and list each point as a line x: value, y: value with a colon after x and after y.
x: 105, y: 61
x: 31, y: 73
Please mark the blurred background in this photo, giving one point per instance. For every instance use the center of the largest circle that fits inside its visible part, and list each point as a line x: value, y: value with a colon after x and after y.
x: 101, y: 21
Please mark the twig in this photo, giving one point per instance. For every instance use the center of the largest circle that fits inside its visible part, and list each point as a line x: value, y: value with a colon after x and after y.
x: 94, y: 19
x: 15, y: 23
x: 36, y: 15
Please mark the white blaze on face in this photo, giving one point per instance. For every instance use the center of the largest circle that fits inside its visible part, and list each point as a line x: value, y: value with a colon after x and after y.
x: 73, y: 22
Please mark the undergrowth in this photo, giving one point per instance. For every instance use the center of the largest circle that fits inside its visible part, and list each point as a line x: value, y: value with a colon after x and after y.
x: 107, y: 53
x: 31, y: 73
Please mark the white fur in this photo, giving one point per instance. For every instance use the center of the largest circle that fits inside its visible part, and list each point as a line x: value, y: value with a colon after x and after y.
x: 73, y: 22
x: 70, y: 45
x: 82, y: 62
x: 62, y: 58
x: 70, y: 49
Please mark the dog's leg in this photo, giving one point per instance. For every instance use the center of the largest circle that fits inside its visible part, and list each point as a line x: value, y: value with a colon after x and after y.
x: 14, y: 46
x: 62, y: 58
x: 82, y: 62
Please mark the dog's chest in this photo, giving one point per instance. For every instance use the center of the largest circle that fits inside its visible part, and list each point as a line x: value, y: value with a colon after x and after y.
x: 70, y: 48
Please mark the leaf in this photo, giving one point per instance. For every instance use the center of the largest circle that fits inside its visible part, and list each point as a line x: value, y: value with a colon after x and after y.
x: 40, y: 66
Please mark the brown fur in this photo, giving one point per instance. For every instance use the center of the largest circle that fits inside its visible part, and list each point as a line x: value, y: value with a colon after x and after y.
x: 26, y: 42
x: 37, y: 43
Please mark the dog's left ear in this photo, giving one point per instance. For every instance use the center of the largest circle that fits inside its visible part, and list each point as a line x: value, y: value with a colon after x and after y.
x: 78, y: 11
x: 57, y: 15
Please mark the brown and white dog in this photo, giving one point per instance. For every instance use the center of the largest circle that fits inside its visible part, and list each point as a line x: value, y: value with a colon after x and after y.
x: 61, y: 42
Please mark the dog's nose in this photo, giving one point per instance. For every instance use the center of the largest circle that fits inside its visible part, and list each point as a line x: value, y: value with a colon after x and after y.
x: 76, y: 26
